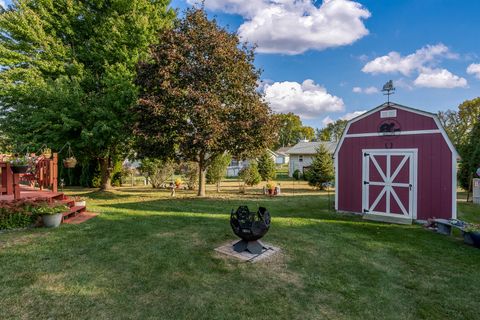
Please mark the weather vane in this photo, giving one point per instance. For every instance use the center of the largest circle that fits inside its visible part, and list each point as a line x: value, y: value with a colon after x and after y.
x: 388, y: 89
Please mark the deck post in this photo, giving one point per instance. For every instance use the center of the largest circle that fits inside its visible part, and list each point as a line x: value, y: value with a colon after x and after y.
x: 54, y: 173
x: 9, y: 179
x: 16, y: 186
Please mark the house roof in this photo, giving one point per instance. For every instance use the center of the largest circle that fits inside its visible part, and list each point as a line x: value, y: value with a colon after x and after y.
x: 272, y: 153
x: 311, y: 147
x: 283, y: 150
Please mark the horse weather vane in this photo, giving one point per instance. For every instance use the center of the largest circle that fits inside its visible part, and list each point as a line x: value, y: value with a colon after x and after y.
x: 388, y: 89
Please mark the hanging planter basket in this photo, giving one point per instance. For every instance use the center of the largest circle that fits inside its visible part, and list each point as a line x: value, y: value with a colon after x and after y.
x: 70, y: 162
x: 19, y: 169
x: 47, y: 153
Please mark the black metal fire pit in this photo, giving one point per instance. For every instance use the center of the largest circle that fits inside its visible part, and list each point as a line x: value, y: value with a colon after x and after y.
x: 250, y: 226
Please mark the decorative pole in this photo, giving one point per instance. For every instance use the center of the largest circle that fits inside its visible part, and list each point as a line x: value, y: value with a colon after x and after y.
x: 388, y: 89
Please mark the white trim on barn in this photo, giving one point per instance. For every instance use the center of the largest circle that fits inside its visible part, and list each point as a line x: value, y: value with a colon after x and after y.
x: 401, y: 133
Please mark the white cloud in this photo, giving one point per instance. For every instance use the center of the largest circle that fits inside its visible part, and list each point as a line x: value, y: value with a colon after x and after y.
x: 474, y: 69
x: 241, y: 7
x: 403, y: 83
x: 422, y: 63
x: 352, y: 115
x: 367, y: 90
x: 362, y: 57
x: 394, y: 62
x: 439, y: 78
x: 307, y: 99
x: 3, y: 4
x: 348, y: 116
x: 327, y: 120
x: 371, y: 90
x: 295, y: 26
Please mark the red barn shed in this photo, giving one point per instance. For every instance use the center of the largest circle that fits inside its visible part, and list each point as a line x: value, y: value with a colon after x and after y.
x: 396, y: 163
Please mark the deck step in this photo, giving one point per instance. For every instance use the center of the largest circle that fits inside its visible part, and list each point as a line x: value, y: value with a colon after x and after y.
x: 81, y: 217
x: 58, y: 196
x: 68, y: 202
x: 73, y: 212
x: 389, y: 219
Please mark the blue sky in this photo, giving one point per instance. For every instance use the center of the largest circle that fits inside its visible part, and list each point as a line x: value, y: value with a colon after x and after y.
x: 326, y: 60
x: 436, y: 42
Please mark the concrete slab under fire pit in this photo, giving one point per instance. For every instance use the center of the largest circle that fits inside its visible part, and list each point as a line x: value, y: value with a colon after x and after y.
x: 246, y: 256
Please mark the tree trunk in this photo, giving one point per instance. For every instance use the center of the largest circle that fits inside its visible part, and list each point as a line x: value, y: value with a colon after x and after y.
x: 218, y: 186
x: 202, y: 172
x: 105, y: 173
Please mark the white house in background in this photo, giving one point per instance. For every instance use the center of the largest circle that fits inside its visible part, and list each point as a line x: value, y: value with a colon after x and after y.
x: 301, y: 154
x: 237, y: 165
x: 282, y: 156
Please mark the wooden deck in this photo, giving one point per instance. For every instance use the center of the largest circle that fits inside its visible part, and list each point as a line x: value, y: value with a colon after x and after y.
x: 33, y: 193
x: 44, y: 176
x: 75, y: 214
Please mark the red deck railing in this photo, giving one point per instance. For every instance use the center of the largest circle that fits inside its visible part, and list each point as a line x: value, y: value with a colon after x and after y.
x: 45, y: 176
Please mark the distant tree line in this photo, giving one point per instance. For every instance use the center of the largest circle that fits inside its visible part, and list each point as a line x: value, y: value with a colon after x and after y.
x: 463, y: 128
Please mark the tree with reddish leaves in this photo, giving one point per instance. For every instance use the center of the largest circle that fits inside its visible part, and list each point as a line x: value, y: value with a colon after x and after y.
x: 199, y: 97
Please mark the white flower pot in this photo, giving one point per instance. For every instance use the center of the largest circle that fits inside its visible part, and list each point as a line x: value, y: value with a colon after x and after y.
x: 52, y: 221
x: 81, y: 203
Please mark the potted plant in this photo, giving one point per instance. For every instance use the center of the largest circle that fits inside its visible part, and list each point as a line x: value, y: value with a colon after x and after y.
x: 471, y: 235
x: 70, y: 162
x: 52, y: 214
x: 178, y: 182
x: 19, y: 164
x: 80, y: 202
x: 270, y: 188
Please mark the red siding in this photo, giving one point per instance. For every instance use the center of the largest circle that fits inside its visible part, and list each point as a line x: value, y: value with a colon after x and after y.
x: 408, y: 121
x: 434, y: 175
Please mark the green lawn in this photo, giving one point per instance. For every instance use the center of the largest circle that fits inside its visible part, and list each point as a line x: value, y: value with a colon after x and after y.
x: 148, y: 256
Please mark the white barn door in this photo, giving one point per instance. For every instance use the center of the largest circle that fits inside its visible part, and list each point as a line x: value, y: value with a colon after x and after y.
x: 389, y: 182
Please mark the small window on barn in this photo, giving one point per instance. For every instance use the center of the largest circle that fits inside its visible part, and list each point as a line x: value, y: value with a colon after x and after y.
x: 300, y: 158
x: 388, y: 114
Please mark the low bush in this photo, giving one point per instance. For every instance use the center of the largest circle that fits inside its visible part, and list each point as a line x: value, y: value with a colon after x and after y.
x: 18, y: 214
x: 297, y: 174
x: 250, y: 175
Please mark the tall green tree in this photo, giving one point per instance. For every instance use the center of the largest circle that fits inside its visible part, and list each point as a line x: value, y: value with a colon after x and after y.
x: 307, y: 133
x: 68, y: 71
x: 321, y: 169
x: 333, y: 131
x: 470, y: 160
x: 461, y: 127
x: 199, y: 96
x: 288, y: 127
x: 266, y: 167
x: 217, y: 169
x: 458, y: 124
x: 290, y: 130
